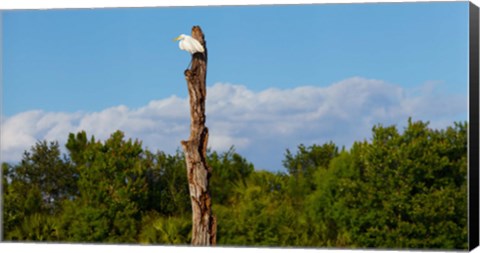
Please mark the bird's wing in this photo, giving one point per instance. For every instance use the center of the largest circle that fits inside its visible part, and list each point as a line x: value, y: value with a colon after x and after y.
x: 197, y: 46
x: 181, y: 45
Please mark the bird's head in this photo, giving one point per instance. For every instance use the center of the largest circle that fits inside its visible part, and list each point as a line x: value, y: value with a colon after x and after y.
x: 181, y: 37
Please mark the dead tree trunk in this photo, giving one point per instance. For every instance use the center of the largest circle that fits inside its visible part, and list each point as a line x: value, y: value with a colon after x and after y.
x: 195, y: 149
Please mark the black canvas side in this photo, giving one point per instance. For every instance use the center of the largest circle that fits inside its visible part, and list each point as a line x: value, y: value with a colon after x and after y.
x: 473, y: 176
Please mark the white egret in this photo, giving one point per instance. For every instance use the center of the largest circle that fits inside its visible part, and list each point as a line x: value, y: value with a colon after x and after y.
x: 189, y: 44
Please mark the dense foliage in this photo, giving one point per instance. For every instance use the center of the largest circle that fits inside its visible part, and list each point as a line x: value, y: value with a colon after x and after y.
x: 398, y: 190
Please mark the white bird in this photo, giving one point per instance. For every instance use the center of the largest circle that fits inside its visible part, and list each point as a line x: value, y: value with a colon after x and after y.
x: 189, y: 44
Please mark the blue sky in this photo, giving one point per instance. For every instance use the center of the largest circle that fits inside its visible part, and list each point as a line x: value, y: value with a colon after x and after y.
x: 74, y: 64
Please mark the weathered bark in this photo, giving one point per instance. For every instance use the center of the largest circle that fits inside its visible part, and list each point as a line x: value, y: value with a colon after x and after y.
x: 195, y: 149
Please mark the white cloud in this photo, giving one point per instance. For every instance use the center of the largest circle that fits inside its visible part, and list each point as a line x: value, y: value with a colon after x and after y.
x: 261, y: 125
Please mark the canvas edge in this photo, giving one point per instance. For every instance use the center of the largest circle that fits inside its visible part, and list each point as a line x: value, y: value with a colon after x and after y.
x: 473, y: 174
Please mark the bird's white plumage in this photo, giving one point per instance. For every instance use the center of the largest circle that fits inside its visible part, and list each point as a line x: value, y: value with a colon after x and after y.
x: 189, y: 44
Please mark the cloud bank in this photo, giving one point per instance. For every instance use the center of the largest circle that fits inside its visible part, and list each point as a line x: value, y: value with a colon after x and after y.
x: 261, y: 125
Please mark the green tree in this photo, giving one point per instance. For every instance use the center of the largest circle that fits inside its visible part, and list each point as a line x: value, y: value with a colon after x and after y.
x: 261, y: 213
x: 36, y: 227
x: 112, y: 186
x: 36, y: 188
x: 167, y: 184
x: 158, y: 229
x: 399, y: 191
x: 308, y: 159
x: 229, y: 170
x: 305, y: 162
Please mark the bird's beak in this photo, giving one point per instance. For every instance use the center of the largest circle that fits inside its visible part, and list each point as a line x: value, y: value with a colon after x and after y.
x: 177, y: 38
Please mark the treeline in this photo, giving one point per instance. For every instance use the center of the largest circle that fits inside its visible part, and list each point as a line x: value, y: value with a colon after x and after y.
x: 398, y: 190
